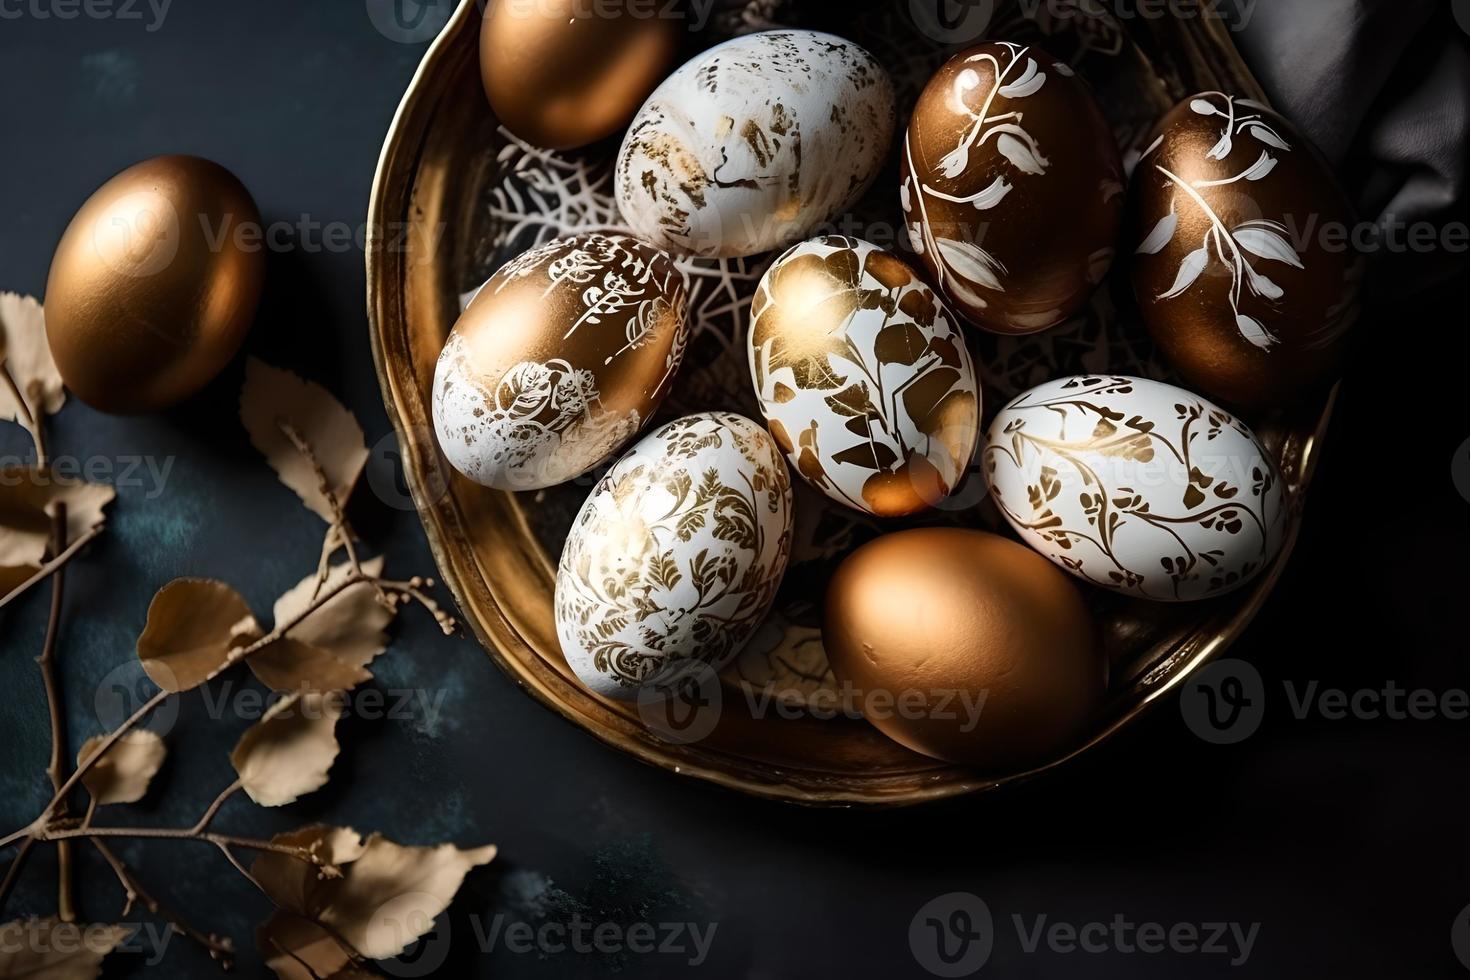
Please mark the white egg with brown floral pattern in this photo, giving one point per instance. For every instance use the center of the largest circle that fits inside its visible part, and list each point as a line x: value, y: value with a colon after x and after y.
x: 1137, y: 486
x: 559, y: 360
x: 676, y: 556
x: 863, y: 376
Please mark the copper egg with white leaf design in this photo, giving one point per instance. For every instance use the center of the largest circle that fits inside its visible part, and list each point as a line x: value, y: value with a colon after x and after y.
x: 559, y: 360
x: 863, y: 376
x: 1244, y: 271
x: 1012, y: 187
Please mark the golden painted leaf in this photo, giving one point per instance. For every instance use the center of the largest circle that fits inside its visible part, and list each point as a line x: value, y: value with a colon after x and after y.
x: 296, y: 885
x: 28, y: 499
x: 299, y: 949
x: 272, y: 396
x: 291, y: 665
x: 193, y: 625
x: 386, y: 898
x: 24, y: 350
x: 123, y: 773
x: 350, y: 625
x: 48, y: 949
x: 288, y: 752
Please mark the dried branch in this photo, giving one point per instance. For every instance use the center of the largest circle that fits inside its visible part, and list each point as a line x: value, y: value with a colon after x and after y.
x: 65, y: 909
x: 51, y: 567
x: 220, y: 948
x: 12, y: 874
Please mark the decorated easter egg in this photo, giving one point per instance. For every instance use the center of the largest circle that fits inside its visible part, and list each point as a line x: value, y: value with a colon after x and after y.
x: 754, y: 143
x: 559, y: 360
x: 1244, y: 267
x: 863, y: 376
x: 1137, y: 486
x: 675, y: 557
x: 1012, y: 187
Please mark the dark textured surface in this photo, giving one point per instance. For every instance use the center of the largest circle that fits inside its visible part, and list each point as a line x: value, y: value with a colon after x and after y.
x: 1342, y: 839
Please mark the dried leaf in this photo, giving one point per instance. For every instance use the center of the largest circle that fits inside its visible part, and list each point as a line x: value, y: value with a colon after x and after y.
x: 299, y: 949
x: 350, y: 626
x: 387, y: 896
x: 297, y: 885
x: 48, y: 949
x: 193, y: 625
x: 288, y: 664
x: 123, y: 773
x: 28, y: 499
x: 272, y: 396
x: 27, y: 355
x: 288, y: 752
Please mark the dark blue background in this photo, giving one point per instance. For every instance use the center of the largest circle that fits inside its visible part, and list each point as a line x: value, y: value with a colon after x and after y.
x: 1344, y: 840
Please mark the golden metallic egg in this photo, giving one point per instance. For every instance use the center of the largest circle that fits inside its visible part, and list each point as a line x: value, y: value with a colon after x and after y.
x: 1245, y: 271
x: 154, y: 284
x: 1012, y: 187
x: 559, y: 361
x: 564, y: 73
x: 965, y: 646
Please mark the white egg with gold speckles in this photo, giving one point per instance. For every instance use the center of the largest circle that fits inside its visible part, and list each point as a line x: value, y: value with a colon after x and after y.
x: 755, y: 142
x: 676, y: 556
x: 863, y: 376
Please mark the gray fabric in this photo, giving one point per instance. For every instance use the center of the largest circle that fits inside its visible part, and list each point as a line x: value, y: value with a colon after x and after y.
x: 1383, y: 88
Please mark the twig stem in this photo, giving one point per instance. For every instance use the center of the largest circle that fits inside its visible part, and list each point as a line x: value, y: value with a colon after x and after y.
x: 51, y: 567
x: 219, y: 948
x: 65, y: 910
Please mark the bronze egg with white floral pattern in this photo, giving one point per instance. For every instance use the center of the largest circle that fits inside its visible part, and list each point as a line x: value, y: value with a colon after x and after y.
x: 1012, y: 187
x: 559, y: 360
x: 1244, y: 269
x: 863, y: 376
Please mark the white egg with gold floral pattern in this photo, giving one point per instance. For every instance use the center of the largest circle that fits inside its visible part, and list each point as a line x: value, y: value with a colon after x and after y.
x: 1138, y: 486
x: 676, y: 556
x: 863, y: 376
x: 559, y: 360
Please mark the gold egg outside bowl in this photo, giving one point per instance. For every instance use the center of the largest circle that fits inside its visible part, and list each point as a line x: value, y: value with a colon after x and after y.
x: 435, y: 240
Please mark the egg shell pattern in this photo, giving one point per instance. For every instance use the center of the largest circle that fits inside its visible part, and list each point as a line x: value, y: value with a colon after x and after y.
x: 676, y: 556
x: 1012, y: 187
x: 560, y: 359
x: 754, y: 142
x: 1137, y: 486
x: 863, y: 376
x: 1237, y: 273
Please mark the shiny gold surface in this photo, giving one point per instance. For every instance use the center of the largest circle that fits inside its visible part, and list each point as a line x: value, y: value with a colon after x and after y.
x: 434, y: 169
x: 154, y: 284
x: 565, y: 73
x: 965, y: 646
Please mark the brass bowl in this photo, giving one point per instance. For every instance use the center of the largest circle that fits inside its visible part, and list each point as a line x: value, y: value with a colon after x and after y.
x: 455, y: 196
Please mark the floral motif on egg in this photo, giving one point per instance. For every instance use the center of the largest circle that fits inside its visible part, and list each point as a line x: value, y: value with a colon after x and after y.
x: 863, y: 376
x: 1092, y: 471
x: 535, y: 423
x: 678, y: 552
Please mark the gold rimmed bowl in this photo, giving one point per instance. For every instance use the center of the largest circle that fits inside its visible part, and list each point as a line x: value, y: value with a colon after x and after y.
x: 455, y: 196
